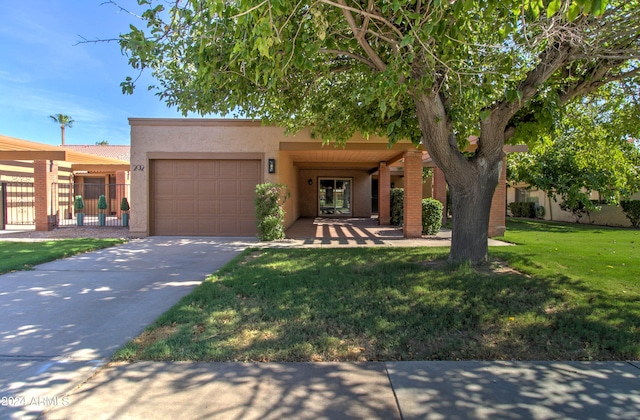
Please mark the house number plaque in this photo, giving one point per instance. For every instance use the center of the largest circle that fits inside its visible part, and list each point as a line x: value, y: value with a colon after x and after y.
x: 138, y: 168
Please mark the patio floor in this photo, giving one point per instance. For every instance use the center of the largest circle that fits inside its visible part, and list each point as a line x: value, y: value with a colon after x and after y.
x: 357, y: 231
x: 353, y: 231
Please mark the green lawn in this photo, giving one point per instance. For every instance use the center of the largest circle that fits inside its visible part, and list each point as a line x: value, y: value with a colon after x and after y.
x: 15, y: 256
x: 575, y: 296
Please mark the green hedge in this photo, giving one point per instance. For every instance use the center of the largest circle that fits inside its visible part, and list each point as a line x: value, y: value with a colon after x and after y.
x: 431, y: 216
x: 632, y: 211
x: 431, y: 212
x: 397, y: 206
x: 269, y: 211
x: 523, y: 209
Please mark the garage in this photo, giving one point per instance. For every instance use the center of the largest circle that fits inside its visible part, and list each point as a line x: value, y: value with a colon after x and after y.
x: 193, y: 197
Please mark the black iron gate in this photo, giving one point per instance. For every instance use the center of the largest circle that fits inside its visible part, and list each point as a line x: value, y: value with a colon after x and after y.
x: 63, y: 197
x: 18, y: 204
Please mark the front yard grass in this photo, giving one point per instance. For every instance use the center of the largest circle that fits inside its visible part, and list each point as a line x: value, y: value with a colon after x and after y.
x: 16, y: 256
x: 566, y: 292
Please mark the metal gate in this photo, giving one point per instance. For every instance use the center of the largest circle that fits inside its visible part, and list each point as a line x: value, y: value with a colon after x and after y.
x: 63, y: 197
x: 18, y: 204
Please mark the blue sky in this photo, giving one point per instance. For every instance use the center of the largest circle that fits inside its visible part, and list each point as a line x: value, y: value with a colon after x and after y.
x: 44, y: 72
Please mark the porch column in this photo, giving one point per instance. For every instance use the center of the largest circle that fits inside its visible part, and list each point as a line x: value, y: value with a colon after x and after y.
x: 384, y: 194
x: 497, y: 217
x: 45, y: 173
x: 412, y: 194
x: 440, y: 191
x: 121, y: 190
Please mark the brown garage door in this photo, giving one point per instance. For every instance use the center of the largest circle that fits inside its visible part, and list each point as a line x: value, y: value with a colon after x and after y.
x: 204, y: 197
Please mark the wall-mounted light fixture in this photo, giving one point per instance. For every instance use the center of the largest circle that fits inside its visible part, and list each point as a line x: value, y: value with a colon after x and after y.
x: 310, y: 181
x: 272, y: 166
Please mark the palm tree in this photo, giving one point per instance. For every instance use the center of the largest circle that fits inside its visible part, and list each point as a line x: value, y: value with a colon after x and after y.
x: 64, y: 121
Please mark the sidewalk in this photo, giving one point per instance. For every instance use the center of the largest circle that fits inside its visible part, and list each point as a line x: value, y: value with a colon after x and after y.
x: 391, y: 390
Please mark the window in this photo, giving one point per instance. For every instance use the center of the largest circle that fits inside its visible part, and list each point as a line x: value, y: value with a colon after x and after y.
x: 94, y: 188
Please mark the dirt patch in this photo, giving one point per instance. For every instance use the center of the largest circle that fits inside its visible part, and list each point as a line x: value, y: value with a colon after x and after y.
x: 66, y: 233
x: 252, y: 256
x: 494, y: 267
x: 435, y: 264
x: 499, y: 267
x: 149, y: 337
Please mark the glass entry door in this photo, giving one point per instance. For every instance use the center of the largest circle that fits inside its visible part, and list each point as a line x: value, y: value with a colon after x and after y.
x: 334, y: 196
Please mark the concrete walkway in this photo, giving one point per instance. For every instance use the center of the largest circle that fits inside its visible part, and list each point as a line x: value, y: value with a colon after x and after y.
x: 63, y: 321
x: 66, y: 318
x: 392, y: 390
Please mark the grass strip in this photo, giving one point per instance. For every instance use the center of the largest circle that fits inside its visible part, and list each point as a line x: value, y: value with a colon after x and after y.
x: 16, y: 256
x: 367, y: 304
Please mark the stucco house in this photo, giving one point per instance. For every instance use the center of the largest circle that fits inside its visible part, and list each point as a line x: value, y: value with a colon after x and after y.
x: 38, y: 181
x: 608, y: 215
x: 197, y: 177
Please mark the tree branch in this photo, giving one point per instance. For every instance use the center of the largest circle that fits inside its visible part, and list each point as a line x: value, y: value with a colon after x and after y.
x: 379, y: 64
x: 357, y: 57
x: 550, y: 61
x: 342, y: 5
x: 593, y: 81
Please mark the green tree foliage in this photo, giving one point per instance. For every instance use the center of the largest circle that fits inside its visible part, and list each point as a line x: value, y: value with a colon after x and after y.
x: 591, y: 149
x: 64, y: 121
x: 632, y: 211
x: 431, y: 71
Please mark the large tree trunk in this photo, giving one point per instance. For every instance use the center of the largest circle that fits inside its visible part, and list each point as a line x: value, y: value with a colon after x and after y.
x: 470, y: 208
x: 472, y: 180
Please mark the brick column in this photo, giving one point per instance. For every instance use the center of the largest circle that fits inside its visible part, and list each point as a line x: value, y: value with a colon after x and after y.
x: 45, y: 173
x: 439, y: 191
x: 384, y: 194
x: 497, y: 217
x: 412, y: 194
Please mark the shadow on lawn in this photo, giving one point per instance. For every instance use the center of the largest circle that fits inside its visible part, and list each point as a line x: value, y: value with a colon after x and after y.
x: 385, y: 305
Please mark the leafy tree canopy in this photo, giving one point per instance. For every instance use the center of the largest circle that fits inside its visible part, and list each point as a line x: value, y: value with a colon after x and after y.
x: 344, y: 66
x: 592, y: 148
x: 63, y: 120
x: 435, y: 71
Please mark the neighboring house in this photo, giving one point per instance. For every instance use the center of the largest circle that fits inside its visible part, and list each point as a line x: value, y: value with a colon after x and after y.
x: 39, y: 181
x: 607, y: 216
x: 198, y: 177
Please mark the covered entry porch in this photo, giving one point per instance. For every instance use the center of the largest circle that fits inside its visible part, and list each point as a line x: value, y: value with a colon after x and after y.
x: 355, y: 181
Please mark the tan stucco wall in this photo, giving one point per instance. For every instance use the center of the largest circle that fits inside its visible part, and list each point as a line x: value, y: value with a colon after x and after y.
x: 288, y: 174
x: 608, y: 216
x: 206, y: 139
x: 237, y: 139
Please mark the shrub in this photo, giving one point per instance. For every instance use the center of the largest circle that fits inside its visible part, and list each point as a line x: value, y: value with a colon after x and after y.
x: 78, y: 204
x: 632, y: 211
x: 540, y: 212
x: 397, y: 206
x: 102, y: 202
x: 269, y: 211
x: 523, y: 209
x: 529, y: 210
x: 431, y: 216
x: 124, y: 204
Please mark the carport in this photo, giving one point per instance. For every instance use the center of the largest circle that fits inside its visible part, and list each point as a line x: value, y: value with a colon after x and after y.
x: 46, y: 161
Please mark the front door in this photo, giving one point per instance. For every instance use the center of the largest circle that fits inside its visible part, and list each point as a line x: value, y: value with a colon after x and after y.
x: 334, y: 196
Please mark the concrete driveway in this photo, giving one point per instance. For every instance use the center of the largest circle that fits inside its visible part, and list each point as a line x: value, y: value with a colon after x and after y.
x: 64, y: 319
